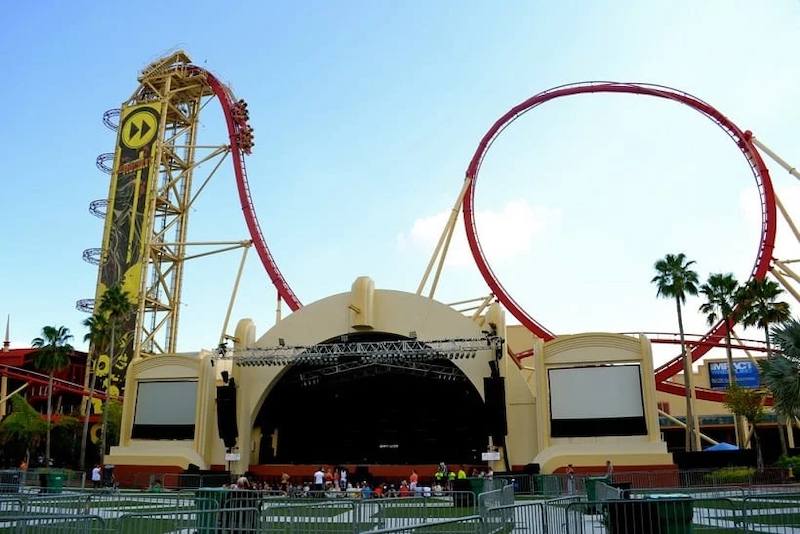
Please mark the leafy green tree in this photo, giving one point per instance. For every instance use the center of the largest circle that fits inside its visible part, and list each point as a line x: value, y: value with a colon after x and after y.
x: 66, y: 433
x: 720, y: 292
x: 99, y: 338
x: 114, y: 422
x: 23, y: 427
x: 52, y: 355
x: 675, y: 279
x: 747, y: 403
x: 116, y: 306
x: 761, y: 307
x: 780, y: 374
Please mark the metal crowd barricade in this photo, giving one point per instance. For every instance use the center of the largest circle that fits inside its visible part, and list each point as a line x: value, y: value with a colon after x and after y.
x: 732, y: 492
x: 63, y: 524
x: 436, y: 527
x: 607, y: 493
x: 773, y: 512
x: 408, y: 511
x: 240, y: 520
x: 523, y: 484
x: 495, y: 499
x: 299, y: 517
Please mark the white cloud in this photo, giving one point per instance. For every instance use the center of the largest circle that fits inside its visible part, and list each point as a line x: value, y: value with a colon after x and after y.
x: 504, y: 235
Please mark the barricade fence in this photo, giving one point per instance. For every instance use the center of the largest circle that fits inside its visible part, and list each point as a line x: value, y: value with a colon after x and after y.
x: 249, y: 513
x: 62, y: 524
x: 552, y: 485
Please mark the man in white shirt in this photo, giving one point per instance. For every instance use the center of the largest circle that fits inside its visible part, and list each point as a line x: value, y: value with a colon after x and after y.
x: 319, y: 480
x: 96, y: 477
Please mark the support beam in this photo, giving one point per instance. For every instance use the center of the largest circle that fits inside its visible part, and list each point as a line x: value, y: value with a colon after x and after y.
x: 785, y: 283
x: 444, y: 242
x: 6, y: 396
x: 777, y: 159
x: 683, y: 425
x: 233, y: 293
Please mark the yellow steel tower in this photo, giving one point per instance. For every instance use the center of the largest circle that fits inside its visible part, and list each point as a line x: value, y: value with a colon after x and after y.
x: 155, y: 179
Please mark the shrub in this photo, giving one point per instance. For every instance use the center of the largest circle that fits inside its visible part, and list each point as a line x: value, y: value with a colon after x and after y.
x: 730, y: 475
x: 789, y: 462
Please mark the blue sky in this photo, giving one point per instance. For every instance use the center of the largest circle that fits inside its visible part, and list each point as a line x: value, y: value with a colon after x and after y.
x: 366, y: 115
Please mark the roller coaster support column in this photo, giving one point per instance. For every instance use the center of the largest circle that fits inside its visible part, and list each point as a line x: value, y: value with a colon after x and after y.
x: 6, y: 395
x: 444, y: 243
x: 681, y: 424
x: 233, y: 293
x: 791, y: 170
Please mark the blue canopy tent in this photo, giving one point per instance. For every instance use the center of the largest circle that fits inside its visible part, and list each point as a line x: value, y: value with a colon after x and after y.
x: 722, y: 446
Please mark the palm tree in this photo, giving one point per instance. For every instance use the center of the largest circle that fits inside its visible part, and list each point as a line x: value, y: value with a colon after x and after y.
x: 760, y: 306
x: 98, y: 337
x: 720, y: 291
x: 52, y: 355
x: 116, y: 306
x: 676, y: 279
x: 781, y: 374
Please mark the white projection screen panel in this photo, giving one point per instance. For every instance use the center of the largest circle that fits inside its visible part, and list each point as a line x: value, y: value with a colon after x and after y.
x: 596, y: 401
x: 165, y: 409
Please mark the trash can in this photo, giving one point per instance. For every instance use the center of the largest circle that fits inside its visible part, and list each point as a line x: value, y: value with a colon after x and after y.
x: 209, y: 499
x: 591, y: 491
x: 675, y: 512
x: 54, y: 482
x: 108, y: 475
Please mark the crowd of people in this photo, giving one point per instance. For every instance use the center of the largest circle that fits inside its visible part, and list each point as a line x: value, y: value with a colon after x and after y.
x: 334, y: 482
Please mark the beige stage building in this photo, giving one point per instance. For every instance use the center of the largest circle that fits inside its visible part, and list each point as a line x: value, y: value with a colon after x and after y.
x: 365, y: 311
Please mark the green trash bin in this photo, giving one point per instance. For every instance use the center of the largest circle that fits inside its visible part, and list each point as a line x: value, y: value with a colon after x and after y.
x: 55, y: 481
x: 591, y: 490
x: 591, y: 486
x: 206, y: 499
x: 675, y: 512
x: 477, y: 485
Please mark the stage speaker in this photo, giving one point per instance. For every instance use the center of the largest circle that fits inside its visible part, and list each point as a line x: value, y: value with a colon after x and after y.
x: 226, y: 415
x: 495, y: 408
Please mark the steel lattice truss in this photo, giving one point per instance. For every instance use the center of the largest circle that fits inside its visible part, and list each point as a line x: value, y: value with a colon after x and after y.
x: 359, y: 368
x: 365, y: 352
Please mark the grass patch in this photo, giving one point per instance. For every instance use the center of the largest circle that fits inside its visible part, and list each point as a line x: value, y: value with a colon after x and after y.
x: 437, y: 512
x: 787, y: 520
x: 306, y: 511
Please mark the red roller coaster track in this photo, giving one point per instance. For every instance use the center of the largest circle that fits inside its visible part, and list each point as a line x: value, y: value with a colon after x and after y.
x: 58, y: 384
x: 227, y: 101
x: 742, y: 140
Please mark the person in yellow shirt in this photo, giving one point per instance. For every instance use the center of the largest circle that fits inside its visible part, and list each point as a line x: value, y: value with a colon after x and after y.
x: 461, y: 473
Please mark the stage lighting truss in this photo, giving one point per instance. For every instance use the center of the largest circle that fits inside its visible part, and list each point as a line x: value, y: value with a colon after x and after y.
x: 365, y: 352
x: 355, y: 369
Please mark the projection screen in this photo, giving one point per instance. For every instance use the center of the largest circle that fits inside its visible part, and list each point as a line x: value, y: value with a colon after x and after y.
x: 596, y: 401
x: 165, y: 409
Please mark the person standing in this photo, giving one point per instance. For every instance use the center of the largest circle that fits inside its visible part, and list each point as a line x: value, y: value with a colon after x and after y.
x: 609, y: 471
x: 96, y: 476
x: 413, y: 481
x: 319, y: 480
x: 570, y: 479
